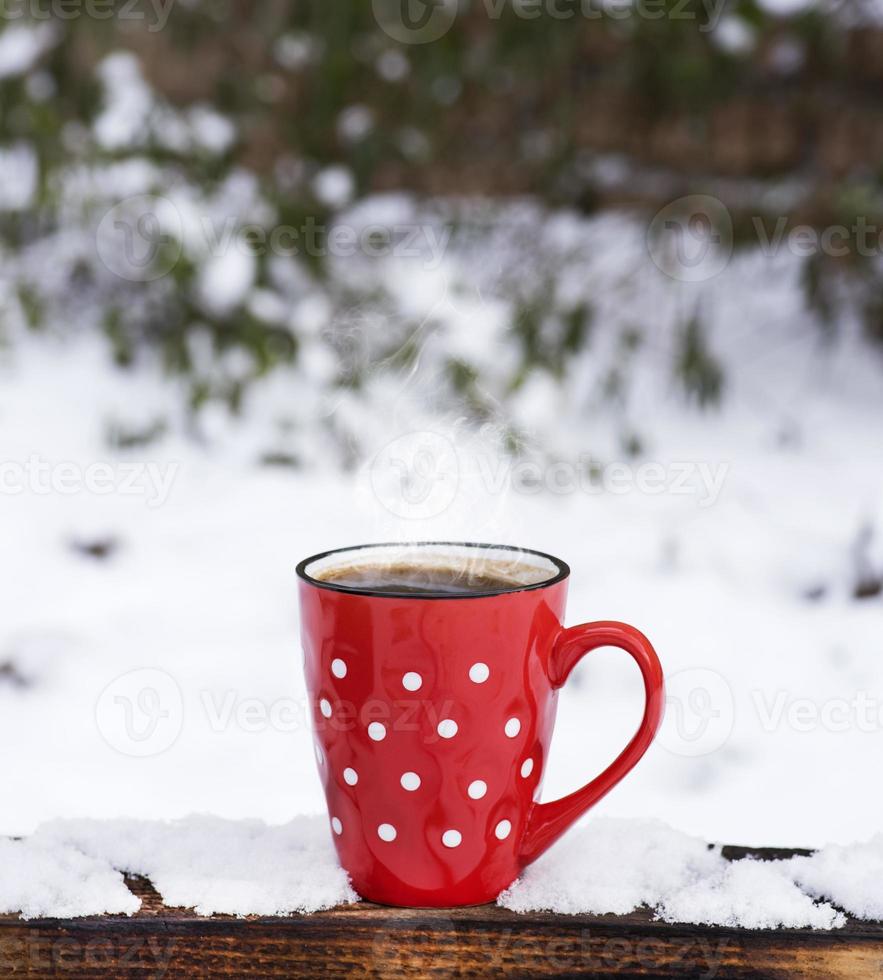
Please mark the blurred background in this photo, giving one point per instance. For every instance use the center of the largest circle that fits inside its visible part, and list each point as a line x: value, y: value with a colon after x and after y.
x: 599, y: 278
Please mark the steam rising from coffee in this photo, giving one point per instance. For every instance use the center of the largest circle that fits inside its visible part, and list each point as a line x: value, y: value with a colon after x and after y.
x: 432, y: 474
x: 425, y: 476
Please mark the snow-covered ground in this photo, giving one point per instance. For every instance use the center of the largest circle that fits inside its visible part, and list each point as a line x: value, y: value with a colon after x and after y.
x: 72, y: 868
x: 164, y: 679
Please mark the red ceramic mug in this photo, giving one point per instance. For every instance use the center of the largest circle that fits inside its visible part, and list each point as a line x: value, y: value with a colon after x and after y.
x: 433, y: 719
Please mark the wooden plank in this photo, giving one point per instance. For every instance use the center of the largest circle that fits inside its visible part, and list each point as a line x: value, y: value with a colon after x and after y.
x: 366, y: 940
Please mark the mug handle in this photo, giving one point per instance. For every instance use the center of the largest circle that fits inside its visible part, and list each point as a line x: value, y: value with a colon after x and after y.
x: 548, y: 821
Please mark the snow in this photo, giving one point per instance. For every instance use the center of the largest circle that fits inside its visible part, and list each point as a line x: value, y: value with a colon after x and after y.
x: 73, y: 868
x: 739, y: 560
x: 210, y: 130
x: 18, y: 176
x: 40, y: 878
x: 734, y: 35
x: 70, y: 868
x: 132, y: 115
x: 22, y: 44
x: 128, y: 101
x: 296, y: 51
x: 149, y: 661
x: 392, y: 65
x: 851, y: 876
x: 355, y: 123
x: 749, y: 894
x: 620, y: 865
x: 226, y: 277
x: 785, y: 8
x: 334, y: 186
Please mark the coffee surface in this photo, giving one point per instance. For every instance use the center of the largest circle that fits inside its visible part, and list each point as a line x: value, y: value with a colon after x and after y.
x: 431, y: 579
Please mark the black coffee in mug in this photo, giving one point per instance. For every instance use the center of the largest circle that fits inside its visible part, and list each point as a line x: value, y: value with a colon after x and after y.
x: 428, y: 574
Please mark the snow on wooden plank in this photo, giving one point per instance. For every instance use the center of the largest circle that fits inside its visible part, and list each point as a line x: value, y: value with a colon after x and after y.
x: 370, y: 940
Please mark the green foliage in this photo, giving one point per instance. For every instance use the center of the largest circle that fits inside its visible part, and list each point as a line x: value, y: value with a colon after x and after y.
x: 122, y: 436
x: 31, y: 305
x: 696, y: 367
x: 818, y: 289
x: 286, y: 75
x: 614, y: 381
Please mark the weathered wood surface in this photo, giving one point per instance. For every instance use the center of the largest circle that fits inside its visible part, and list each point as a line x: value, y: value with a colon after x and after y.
x: 367, y: 940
